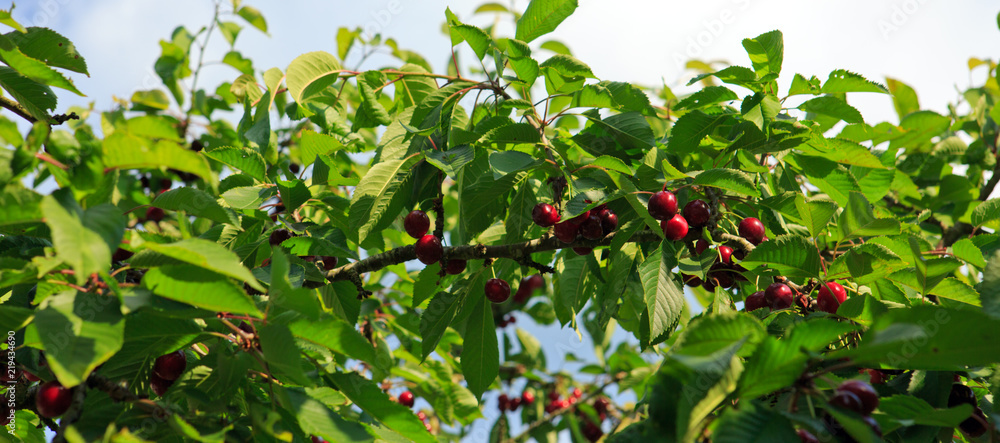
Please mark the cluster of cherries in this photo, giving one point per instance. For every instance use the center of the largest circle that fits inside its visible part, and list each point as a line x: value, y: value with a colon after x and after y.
x: 506, y: 321
x: 591, y: 430
x: 166, y: 370
x: 505, y: 403
x: 962, y: 395
x: 591, y: 225
x: 407, y: 399
x: 852, y: 395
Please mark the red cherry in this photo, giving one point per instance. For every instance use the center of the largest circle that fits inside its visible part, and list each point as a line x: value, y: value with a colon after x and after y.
x: 170, y: 366
x: 316, y: 439
x: 601, y: 404
x: 591, y: 228
x: 725, y: 254
x: 421, y: 415
x: 752, y: 230
x: 121, y: 255
x: 329, y: 263
x: 155, y: 214
x: 159, y: 385
x: 279, y: 236
x: 577, y: 393
x: 806, y: 437
x: 662, y: 205
x: 755, y: 301
x: 847, y: 400
x: 700, y: 246
x: 545, y: 215
x: 675, y: 228
x: 583, y: 251
x: 708, y: 285
x: 416, y: 223
x: 514, y: 403
x: 566, y: 231
x: 778, y: 295
x: 697, y: 213
x: 535, y: 282
x: 503, y: 402
x: 527, y: 397
x: 691, y: 280
x: 721, y: 275
x: 553, y: 395
x: 406, y: 399
x: 455, y: 267
x: 580, y: 218
x: 865, y: 392
x: 52, y: 399
x: 522, y: 294
x: 497, y: 290
x: 609, y: 220
x: 875, y: 376
x: 429, y: 249
x: 830, y: 297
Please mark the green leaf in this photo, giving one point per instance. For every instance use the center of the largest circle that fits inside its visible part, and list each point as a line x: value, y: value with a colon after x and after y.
x: 293, y: 193
x: 437, y: 317
x: 766, y: 53
x: 246, y: 160
x: 36, y: 98
x: 615, y: 95
x: 573, y: 287
x: 840, y: 151
x: 968, y: 252
x: 509, y: 162
x: 20, y: 206
x: 310, y: 74
x: 789, y: 255
x: 478, y: 40
x: 370, y: 202
x: 516, y: 133
x: 664, y: 299
x: 316, y: 418
x: 451, y: 161
x: 841, y: 81
x: 800, y: 85
x: 986, y: 211
x: 368, y: 83
x: 281, y: 353
x: 904, y: 98
x: 833, y: 106
x: 729, y: 179
x: 691, y: 128
x: 7, y: 19
x: 253, y: 17
x: 313, y: 144
x: 78, y: 331
x: 542, y: 17
x: 238, y: 62
x: 916, y: 410
x: 200, y: 288
x: 630, y: 129
x: 480, y: 351
x: 83, y: 239
x: 127, y: 151
x: 752, y: 422
x: 778, y: 363
x: 705, y: 335
x: 32, y: 68
x: 47, y: 45
x: 708, y: 96
x: 202, y: 253
x: 371, y: 399
x: 282, y: 293
x: 195, y: 202
x: 929, y: 337
x: 989, y: 289
x: 858, y: 220
x: 567, y: 65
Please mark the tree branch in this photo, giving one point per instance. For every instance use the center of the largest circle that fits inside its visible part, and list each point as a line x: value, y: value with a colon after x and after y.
x: 513, y: 251
x: 16, y: 108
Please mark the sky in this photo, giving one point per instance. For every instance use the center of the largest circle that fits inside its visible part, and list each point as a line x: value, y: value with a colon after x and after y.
x: 924, y: 43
